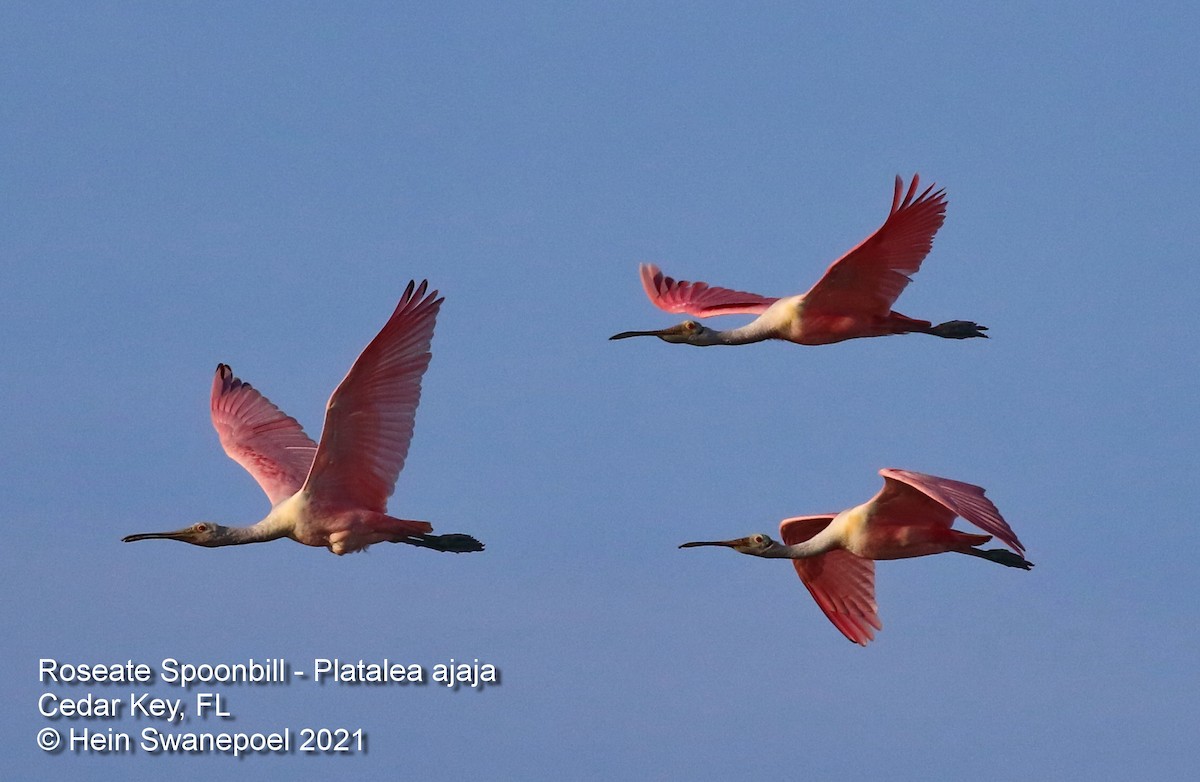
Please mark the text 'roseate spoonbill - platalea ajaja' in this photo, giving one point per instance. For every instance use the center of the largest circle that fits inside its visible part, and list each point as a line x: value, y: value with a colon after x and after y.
x: 333, y: 494
x: 909, y: 517
x: 853, y: 299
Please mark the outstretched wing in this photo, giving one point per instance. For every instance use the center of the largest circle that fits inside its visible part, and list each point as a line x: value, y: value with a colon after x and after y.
x: 906, y: 495
x: 256, y: 434
x: 369, y: 418
x: 842, y: 584
x: 698, y: 298
x: 867, y: 280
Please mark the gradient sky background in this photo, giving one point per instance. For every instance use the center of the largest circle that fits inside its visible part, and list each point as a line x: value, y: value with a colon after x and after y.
x: 192, y: 183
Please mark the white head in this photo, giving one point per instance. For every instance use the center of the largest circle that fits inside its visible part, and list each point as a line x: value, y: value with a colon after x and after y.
x: 688, y: 333
x: 756, y: 545
x: 202, y: 533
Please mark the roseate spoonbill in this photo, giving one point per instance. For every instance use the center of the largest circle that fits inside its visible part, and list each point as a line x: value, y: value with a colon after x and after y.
x: 853, y: 299
x: 909, y: 517
x: 333, y: 494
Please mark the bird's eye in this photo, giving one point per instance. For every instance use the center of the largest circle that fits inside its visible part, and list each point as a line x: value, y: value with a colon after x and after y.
x: 759, y: 539
x: 690, y: 325
x: 201, y: 527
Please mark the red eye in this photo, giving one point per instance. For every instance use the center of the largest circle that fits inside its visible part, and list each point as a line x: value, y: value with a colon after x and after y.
x: 201, y: 527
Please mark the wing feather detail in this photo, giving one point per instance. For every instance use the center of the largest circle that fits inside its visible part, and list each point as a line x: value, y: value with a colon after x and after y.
x: 698, y: 299
x: 841, y: 583
x: 369, y: 418
x: 256, y: 434
x: 958, y: 498
x: 867, y: 280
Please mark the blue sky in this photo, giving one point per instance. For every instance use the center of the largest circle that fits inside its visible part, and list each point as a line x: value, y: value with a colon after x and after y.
x: 196, y: 183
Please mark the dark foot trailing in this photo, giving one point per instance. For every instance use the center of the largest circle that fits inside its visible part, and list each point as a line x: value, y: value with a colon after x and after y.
x: 454, y: 543
x: 1001, y: 556
x: 958, y: 329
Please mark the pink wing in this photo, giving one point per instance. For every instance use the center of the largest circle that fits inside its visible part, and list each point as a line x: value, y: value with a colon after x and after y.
x: 698, y: 298
x: 842, y: 584
x: 868, y: 279
x: 369, y: 418
x: 259, y: 436
x: 912, y: 495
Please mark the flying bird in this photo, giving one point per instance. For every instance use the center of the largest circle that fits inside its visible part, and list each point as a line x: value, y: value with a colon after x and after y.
x: 910, y: 517
x: 853, y: 299
x: 333, y: 494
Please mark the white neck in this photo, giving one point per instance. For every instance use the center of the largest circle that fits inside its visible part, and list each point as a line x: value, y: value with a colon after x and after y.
x: 817, y: 544
x: 255, y: 533
x: 754, y: 331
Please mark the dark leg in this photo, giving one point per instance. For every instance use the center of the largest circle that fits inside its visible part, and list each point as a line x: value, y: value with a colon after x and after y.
x: 958, y: 329
x: 1001, y: 555
x: 455, y: 543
